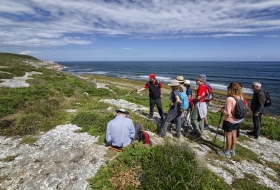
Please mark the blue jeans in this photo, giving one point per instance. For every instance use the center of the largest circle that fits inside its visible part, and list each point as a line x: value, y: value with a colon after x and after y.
x: 169, y: 118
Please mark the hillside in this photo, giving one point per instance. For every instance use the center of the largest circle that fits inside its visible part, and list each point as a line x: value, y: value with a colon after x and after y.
x: 53, y: 124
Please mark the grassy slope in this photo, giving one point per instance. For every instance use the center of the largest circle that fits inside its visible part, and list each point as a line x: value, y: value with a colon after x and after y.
x: 40, y: 107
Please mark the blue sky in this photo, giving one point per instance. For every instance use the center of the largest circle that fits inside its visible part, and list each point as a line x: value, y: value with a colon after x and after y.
x: 142, y: 30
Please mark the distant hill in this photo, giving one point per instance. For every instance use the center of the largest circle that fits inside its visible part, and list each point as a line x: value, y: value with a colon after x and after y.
x: 4, y: 56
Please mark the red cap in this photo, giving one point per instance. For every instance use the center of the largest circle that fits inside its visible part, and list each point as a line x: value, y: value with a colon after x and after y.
x: 152, y: 76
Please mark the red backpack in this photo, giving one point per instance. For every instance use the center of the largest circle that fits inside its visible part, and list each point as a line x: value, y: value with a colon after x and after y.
x: 144, y: 137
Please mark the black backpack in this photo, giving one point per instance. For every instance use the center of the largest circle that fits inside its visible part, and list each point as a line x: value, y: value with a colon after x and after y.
x: 267, y: 99
x: 240, y: 108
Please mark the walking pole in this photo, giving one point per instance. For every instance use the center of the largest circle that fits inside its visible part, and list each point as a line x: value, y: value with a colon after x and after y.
x: 131, y: 92
x: 218, y: 127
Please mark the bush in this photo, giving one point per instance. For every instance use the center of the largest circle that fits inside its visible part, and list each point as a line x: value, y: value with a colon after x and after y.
x: 160, y: 167
x: 93, y: 123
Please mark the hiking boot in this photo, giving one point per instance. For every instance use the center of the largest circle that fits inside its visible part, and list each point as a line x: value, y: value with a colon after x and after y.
x: 253, y: 137
x: 223, y: 153
x: 206, y: 127
x: 176, y: 136
x: 249, y: 133
x: 195, y: 136
x: 232, y: 153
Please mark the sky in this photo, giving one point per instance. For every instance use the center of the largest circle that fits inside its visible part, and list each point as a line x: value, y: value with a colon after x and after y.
x: 142, y: 30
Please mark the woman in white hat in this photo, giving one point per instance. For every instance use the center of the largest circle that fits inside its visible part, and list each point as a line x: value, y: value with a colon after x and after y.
x: 174, y: 111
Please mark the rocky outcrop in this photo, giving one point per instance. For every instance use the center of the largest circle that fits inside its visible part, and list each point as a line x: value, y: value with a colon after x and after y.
x: 17, y: 82
x: 46, y: 64
x: 60, y: 159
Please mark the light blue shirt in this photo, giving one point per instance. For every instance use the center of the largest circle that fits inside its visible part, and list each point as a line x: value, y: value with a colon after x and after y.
x: 120, y: 131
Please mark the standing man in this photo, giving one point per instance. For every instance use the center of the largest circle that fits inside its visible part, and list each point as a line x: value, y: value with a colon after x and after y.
x: 206, y: 125
x: 155, y: 94
x: 257, y: 107
x: 200, y: 108
x: 120, y: 131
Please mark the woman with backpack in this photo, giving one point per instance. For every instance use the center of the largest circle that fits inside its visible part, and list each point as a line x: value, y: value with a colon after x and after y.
x: 174, y: 111
x: 231, y: 120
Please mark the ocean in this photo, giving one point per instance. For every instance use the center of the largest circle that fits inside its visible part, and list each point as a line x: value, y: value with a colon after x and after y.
x: 219, y: 74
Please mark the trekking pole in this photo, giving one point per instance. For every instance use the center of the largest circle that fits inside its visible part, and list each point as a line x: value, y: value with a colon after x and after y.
x: 218, y: 127
x: 131, y: 92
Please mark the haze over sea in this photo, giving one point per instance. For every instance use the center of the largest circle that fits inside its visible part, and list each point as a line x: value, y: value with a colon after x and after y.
x: 219, y: 74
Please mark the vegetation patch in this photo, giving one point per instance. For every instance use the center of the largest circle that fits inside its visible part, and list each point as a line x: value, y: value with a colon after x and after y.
x: 248, y: 182
x: 274, y: 166
x: 9, y: 158
x: 93, y: 123
x: 28, y: 140
x: 159, y: 167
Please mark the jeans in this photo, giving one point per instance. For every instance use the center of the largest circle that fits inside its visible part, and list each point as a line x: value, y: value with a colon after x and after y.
x: 169, y: 118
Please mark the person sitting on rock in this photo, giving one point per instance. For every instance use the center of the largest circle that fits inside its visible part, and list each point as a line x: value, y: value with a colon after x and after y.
x: 120, y: 131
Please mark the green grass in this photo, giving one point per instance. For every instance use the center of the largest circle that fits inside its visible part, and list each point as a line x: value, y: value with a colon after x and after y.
x: 249, y: 182
x: 160, y: 167
x: 94, y: 123
x: 9, y: 158
x: 28, y: 140
x: 27, y: 111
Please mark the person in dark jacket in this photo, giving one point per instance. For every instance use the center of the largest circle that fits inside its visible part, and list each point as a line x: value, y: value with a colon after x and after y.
x: 155, y: 94
x: 257, y: 107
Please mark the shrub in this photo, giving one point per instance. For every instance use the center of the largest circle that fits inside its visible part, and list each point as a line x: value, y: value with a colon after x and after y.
x: 160, y: 167
x: 93, y: 123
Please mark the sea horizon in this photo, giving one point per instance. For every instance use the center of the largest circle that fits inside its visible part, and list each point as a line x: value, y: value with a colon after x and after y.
x: 219, y: 73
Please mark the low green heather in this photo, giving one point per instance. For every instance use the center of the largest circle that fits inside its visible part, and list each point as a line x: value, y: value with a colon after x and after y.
x: 160, y: 167
x: 248, y: 182
x: 40, y: 107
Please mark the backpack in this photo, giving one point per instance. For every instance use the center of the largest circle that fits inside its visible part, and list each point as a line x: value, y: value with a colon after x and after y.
x: 184, y: 101
x: 240, y: 108
x: 209, y: 93
x: 144, y: 137
x: 267, y: 99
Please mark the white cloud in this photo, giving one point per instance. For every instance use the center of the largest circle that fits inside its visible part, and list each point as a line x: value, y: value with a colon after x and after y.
x: 271, y: 36
x: 127, y: 48
x: 54, y: 23
x: 32, y: 53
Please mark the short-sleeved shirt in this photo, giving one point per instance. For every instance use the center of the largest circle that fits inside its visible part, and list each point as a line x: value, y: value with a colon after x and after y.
x: 189, y: 91
x: 174, y: 109
x: 201, y: 91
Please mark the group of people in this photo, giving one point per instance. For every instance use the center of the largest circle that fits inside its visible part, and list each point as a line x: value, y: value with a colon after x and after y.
x: 121, y: 131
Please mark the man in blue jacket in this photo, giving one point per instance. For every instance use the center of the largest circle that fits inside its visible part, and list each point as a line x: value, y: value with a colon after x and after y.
x: 120, y: 131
